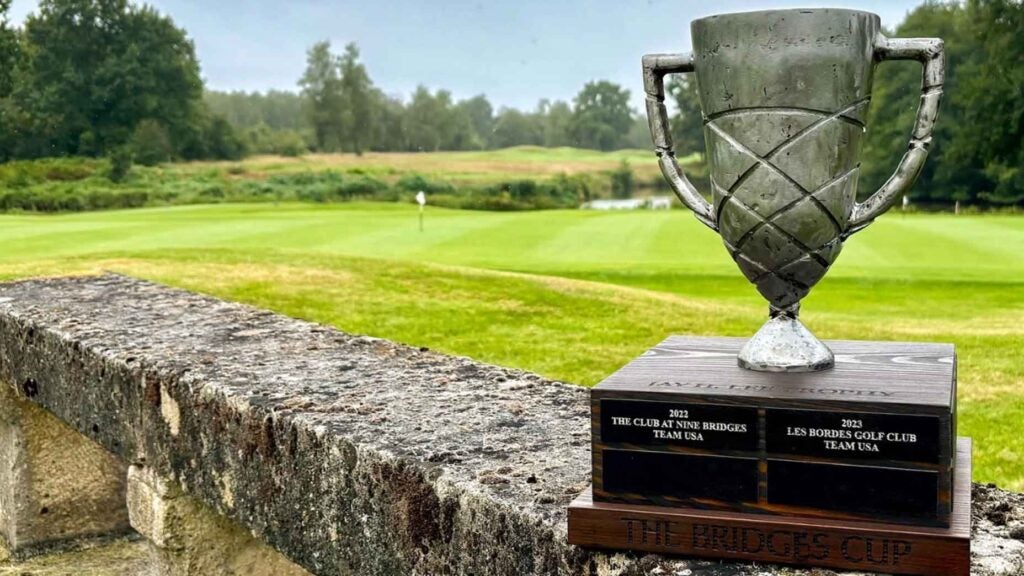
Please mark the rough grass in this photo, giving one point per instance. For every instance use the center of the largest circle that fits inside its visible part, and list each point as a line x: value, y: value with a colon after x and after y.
x: 520, y: 178
x: 570, y: 294
x: 476, y: 167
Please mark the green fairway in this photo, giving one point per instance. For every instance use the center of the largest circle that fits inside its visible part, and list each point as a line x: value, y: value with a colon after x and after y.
x: 570, y: 294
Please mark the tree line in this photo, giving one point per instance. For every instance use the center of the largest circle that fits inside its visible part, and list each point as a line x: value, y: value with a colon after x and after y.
x: 109, y: 77
x: 340, y: 109
x: 112, y: 78
x: 977, y: 154
x: 977, y: 150
x: 94, y: 77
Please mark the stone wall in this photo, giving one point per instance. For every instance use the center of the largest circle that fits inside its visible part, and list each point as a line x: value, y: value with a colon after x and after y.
x: 345, y: 454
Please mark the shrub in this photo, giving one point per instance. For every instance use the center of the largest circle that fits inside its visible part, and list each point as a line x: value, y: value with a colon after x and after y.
x: 363, y: 186
x: 289, y: 143
x: 416, y: 182
x: 622, y: 180
x: 150, y: 143
x: 120, y: 164
x: 222, y: 142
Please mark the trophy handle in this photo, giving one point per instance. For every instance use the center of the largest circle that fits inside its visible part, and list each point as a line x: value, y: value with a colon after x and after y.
x: 656, y: 66
x: 929, y: 52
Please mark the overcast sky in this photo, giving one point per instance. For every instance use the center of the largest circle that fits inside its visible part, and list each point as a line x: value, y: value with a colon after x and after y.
x: 516, y: 51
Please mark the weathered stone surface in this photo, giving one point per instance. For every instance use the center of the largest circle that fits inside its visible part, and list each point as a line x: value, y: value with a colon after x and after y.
x: 125, y: 556
x: 55, y: 484
x: 348, y: 454
x: 189, y: 538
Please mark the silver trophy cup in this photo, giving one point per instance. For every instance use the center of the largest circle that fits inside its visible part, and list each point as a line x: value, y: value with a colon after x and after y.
x: 784, y: 96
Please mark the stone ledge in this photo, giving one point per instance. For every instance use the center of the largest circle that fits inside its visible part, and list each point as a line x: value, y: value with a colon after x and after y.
x: 124, y: 556
x: 346, y: 453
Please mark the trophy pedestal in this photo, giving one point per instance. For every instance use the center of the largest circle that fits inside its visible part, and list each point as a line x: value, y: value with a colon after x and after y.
x: 744, y: 537
x: 858, y: 466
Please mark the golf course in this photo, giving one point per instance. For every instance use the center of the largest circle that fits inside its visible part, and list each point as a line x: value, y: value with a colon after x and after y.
x: 570, y: 294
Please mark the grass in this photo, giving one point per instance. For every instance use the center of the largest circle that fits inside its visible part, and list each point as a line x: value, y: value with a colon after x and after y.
x: 519, y: 178
x: 570, y: 294
x: 485, y: 166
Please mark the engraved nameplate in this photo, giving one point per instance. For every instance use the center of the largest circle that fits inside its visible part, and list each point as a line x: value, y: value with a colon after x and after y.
x: 853, y: 435
x: 679, y: 424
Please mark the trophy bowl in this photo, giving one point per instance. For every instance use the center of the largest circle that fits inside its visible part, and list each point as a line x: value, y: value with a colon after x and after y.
x: 784, y: 96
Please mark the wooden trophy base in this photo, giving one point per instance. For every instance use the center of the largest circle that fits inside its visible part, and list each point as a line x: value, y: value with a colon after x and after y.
x: 824, y: 542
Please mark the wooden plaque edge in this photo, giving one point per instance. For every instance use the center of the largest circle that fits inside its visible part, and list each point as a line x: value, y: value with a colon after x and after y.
x: 932, y: 551
x: 912, y: 405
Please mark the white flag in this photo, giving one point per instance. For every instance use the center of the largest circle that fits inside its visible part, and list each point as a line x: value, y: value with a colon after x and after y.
x: 421, y: 198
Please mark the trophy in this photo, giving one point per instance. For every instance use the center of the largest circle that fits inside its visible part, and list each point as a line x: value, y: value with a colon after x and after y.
x: 842, y: 455
x: 784, y: 96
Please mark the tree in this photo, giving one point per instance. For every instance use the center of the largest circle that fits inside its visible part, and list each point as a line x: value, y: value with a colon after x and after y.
x: 515, y: 128
x: 479, y: 113
x: 276, y: 109
x: 356, y: 93
x: 324, y: 100
x: 687, y: 125
x: 9, y: 50
x: 601, y: 116
x: 10, y: 55
x: 990, y: 88
x: 389, y: 130
x: 429, y: 122
x: 96, y: 68
x: 556, y: 117
x: 894, y: 102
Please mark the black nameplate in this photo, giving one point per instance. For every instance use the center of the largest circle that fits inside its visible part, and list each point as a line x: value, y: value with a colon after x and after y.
x: 853, y: 435
x: 892, y: 492
x: 680, y: 475
x: 679, y: 424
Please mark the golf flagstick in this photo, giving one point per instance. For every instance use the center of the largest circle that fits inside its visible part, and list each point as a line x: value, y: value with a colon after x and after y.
x: 421, y: 199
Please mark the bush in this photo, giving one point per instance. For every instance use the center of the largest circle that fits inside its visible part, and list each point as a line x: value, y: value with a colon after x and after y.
x: 120, y: 164
x: 289, y: 143
x: 362, y: 186
x: 73, y: 184
x: 222, y: 142
x: 150, y: 143
x: 622, y: 180
x: 416, y: 182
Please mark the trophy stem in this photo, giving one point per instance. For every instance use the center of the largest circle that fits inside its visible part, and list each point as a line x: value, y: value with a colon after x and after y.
x: 784, y: 344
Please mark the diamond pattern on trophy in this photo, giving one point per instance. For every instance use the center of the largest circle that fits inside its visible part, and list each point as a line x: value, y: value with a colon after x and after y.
x: 750, y: 269
x: 729, y: 163
x: 775, y: 127
x: 826, y: 142
x: 718, y: 194
x: 805, y: 271
x: 780, y: 291
x: 802, y: 209
x: 736, y: 220
x: 766, y: 192
x: 771, y: 247
x: 808, y: 222
x: 830, y: 251
x: 838, y: 196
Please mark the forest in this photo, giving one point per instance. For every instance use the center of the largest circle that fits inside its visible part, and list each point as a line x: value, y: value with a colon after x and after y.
x: 119, y: 80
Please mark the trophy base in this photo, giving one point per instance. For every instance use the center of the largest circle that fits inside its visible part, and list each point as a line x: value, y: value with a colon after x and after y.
x: 784, y: 344
x: 830, y: 542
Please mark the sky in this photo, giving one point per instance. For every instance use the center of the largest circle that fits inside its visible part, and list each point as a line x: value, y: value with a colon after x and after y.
x: 515, y: 52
